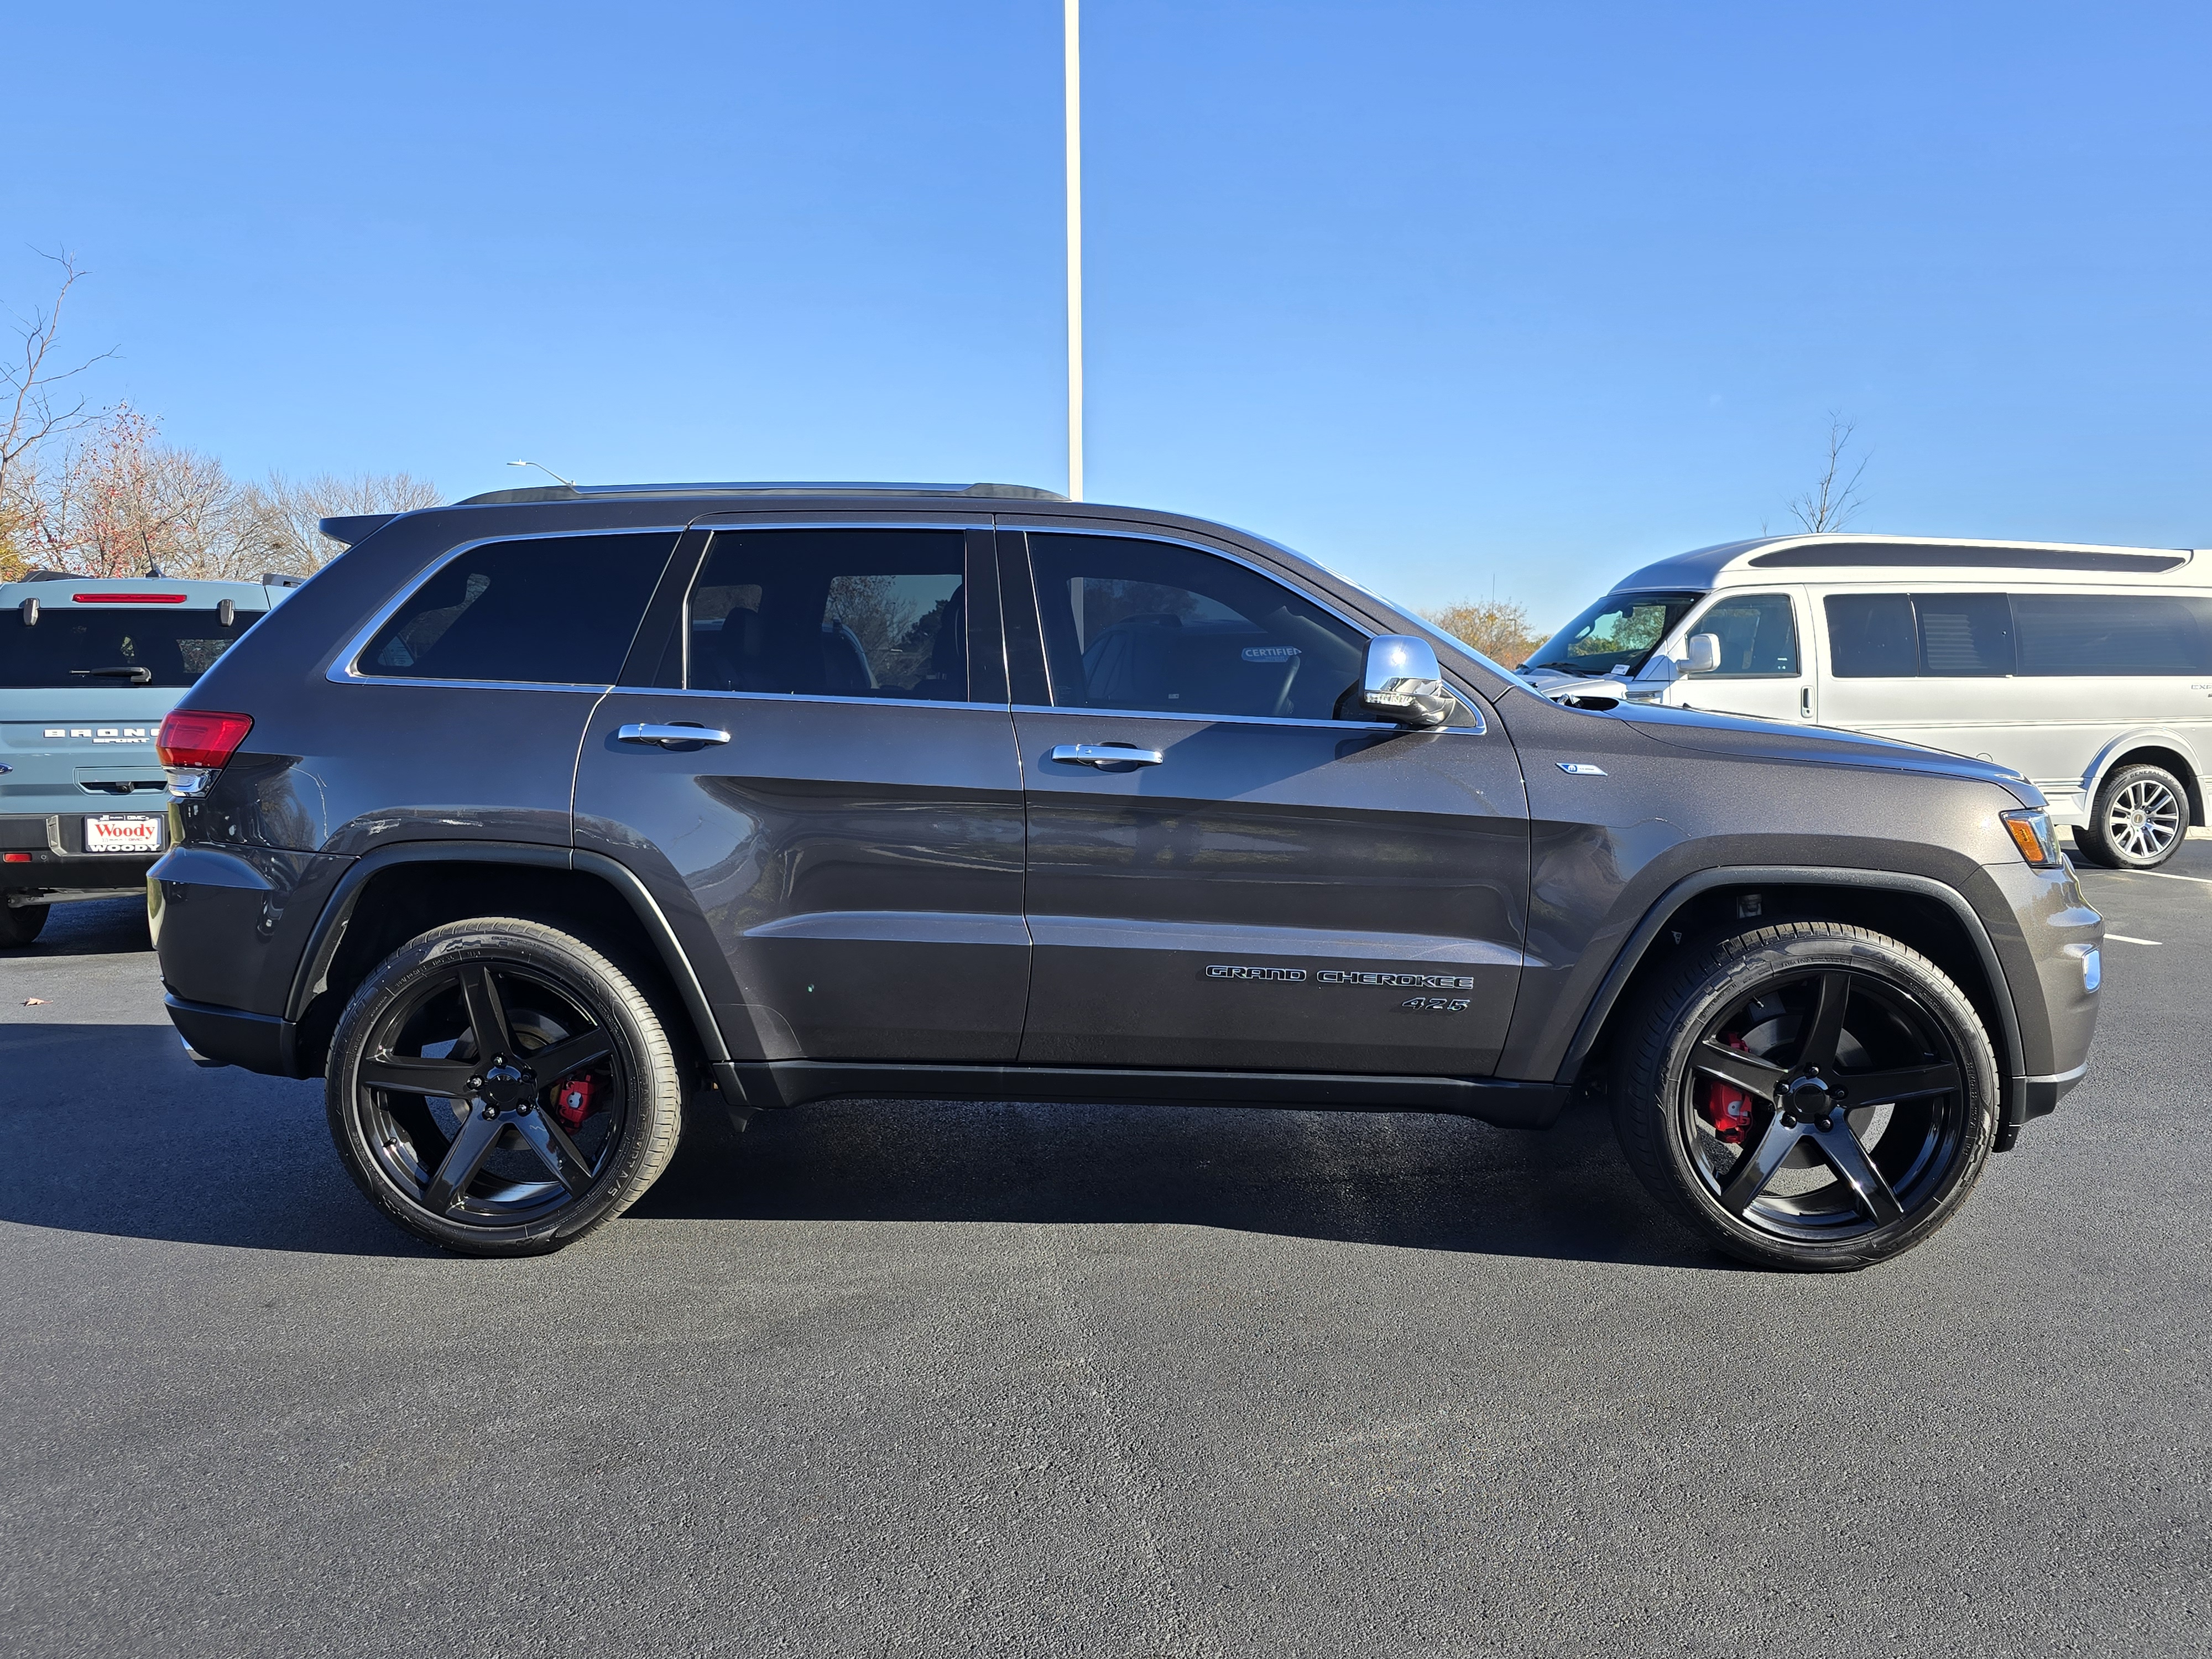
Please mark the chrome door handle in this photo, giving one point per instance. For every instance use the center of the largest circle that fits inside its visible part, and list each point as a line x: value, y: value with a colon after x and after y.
x: 1104, y: 754
x: 645, y: 732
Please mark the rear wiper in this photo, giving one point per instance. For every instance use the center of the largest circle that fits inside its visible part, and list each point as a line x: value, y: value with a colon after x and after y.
x: 136, y: 675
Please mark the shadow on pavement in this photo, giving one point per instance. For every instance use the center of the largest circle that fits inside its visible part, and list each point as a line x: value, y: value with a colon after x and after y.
x: 109, y: 1129
x: 1409, y: 1180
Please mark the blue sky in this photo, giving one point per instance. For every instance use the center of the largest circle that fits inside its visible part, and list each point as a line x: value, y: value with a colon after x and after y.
x: 1451, y: 295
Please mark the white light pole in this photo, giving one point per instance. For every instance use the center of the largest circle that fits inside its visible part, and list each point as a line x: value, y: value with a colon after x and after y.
x: 1075, y: 253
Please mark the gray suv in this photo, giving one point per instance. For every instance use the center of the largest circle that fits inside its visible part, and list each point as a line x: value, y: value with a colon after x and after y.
x: 533, y: 820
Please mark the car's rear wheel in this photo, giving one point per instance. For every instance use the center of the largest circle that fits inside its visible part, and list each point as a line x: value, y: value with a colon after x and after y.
x: 20, y: 924
x: 2141, y: 819
x: 501, y: 1088
x: 1807, y: 1096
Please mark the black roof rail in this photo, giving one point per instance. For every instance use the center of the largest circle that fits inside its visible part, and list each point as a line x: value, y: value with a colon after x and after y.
x: 585, y: 492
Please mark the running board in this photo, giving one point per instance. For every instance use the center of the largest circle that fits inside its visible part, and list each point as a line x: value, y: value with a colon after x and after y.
x: 797, y: 1082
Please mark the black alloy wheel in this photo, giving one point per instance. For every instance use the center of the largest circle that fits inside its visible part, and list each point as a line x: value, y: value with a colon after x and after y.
x: 1810, y: 1095
x: 2141, y: 819
x: 500, y: 1088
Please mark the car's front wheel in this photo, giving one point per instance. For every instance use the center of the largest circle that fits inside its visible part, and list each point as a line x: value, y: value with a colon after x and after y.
x: 500, y: 1087
x: 1809, y: 1095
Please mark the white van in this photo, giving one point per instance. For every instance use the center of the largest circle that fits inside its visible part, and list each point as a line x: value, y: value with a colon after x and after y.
x: 2088, y: 669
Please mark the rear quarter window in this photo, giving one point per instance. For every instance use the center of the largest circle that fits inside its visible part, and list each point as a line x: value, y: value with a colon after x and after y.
x: 545, y: 611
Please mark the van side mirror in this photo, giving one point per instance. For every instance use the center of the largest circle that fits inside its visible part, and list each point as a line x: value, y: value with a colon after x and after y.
x: 1704, y: 652
x: 30, y: 610
x: 1403, y: 683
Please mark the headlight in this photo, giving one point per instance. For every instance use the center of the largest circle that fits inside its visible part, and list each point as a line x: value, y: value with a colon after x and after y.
x: 2030, y: 828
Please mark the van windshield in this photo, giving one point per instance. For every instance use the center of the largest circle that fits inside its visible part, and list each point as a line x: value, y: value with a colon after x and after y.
x: 114, y: 647
x: 1614, y: 636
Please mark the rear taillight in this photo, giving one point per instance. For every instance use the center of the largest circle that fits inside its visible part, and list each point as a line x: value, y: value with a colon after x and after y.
x: 201, y: 738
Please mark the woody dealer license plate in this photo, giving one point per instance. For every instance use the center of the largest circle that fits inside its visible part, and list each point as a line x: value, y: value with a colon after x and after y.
x: 118, y: 834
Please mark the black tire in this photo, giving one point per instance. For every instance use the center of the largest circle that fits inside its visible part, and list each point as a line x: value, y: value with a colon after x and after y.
x: 1729, y: 1041
x: 21, y: 924
x: 2142, y: 817
x: 491, y: 1165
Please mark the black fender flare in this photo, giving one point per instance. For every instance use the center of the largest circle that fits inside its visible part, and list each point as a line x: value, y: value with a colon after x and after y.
x: 2011, y: 1056
x: 308, y: 979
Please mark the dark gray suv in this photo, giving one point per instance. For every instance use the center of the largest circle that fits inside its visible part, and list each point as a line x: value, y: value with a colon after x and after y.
x: 532, y: 818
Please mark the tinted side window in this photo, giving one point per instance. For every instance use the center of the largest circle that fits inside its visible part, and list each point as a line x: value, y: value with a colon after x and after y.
x: 1137, y: 625
x: 547, y: 610
x: 1964, y: 635
x: 2113, y: 634
x: 832, y: 613
x: 1757, y: 634
x: 1870, y: 636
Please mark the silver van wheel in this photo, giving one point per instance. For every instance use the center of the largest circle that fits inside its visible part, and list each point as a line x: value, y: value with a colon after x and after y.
x: 2142, y: 816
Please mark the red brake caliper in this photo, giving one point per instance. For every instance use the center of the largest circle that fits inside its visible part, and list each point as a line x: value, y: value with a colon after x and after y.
x: 572, y: 1101
x: 1723, y: 1105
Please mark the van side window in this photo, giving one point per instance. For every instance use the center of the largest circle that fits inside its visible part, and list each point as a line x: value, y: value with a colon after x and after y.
x: 2081, y: 634
x: 1902, y: 636
x: 1757, y: 634
x: 1964, y: 635
x: 1870, y: 636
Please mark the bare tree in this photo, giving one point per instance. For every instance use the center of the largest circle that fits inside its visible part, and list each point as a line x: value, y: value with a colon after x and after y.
x: 32, y: 412
x: 1498, y: 628
x: 276, y: 525
x: 1834, y: 501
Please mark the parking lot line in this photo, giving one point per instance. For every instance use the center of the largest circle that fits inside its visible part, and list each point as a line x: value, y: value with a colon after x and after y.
x: 2122, y: 938
x: 2166, y: 875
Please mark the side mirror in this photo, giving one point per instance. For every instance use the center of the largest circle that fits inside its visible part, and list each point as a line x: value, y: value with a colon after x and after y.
x: 1704, y: 652
x: 1403, y: 683
x: 30, y: 610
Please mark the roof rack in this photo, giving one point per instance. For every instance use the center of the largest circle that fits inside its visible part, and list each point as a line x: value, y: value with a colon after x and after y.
x: 574, y: 492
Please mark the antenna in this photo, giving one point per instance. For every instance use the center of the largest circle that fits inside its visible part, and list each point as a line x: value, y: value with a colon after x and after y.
x: 547, y: 470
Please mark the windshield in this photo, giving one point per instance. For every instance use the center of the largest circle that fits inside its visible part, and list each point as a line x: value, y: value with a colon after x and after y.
x: 1614, y: 636
x: 114, y: 647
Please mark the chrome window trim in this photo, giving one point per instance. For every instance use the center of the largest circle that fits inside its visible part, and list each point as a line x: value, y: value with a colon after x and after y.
x: 569, y: 686
x: 802, y: 696
x: 1188, y: 718
x: 1480, y: 727
x: 343, y: 669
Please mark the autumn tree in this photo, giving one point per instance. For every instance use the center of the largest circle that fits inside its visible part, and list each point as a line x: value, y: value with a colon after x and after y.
x: 121, y: 502
x: 1498, y: 628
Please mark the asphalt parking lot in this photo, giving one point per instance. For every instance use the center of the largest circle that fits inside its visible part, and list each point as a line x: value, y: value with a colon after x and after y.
x: 946, y: 1378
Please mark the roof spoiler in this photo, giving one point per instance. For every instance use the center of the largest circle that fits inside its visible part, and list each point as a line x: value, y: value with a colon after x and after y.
x: 355, y: 527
